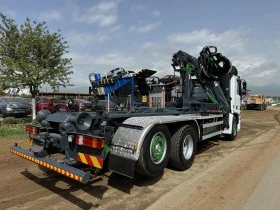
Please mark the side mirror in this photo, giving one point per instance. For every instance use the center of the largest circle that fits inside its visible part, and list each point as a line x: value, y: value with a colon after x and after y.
x: 244, y: 87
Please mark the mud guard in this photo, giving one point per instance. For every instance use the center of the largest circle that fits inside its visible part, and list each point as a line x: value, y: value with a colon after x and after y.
x: 122, y: 165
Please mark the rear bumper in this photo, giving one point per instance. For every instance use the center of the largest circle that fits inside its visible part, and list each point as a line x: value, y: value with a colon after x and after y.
x: 61, y: 168
x: 253, y: 106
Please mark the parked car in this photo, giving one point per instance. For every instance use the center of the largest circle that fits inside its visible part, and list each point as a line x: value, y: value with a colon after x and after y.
x: 51, y: 104
x: 115, y: 73
x: 80, y: 105
x: 27, y: 100
x: 104, y: 104
x: 14, y: 106
x: 61, y: 104
x: 170, y: 79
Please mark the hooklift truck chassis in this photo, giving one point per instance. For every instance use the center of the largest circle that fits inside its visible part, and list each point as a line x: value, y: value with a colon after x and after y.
x: 142, y: 140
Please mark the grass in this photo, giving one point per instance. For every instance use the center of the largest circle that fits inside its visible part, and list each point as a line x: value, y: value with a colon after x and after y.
x: 13, y: 132
x: 9, y: 135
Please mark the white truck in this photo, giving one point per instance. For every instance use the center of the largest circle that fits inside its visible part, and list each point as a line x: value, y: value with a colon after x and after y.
x: 143, y: 140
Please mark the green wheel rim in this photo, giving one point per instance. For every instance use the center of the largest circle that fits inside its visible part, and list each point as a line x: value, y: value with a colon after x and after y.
x: 158, y: 148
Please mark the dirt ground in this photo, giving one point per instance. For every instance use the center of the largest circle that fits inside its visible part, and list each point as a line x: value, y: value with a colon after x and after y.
x: 224, y: 176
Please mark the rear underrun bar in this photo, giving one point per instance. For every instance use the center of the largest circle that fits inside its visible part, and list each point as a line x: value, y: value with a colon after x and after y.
x: 60, y: 168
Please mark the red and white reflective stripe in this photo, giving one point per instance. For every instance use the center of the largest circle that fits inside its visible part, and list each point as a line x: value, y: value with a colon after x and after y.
x: 80, y: 140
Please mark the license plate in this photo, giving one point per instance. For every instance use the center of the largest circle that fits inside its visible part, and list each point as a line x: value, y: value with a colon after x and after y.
x: 87, y: 110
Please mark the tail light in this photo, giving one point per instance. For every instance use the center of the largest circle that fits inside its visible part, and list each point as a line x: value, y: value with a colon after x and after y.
x: 90, y: 141
x: 32, y: 129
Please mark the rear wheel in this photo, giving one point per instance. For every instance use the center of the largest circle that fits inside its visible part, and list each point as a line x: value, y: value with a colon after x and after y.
x: 183, y: 148
x: 233, y: 134
x: 155, y: 152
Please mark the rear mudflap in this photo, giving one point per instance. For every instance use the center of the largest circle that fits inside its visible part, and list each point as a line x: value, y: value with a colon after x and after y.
x: 122, y: 165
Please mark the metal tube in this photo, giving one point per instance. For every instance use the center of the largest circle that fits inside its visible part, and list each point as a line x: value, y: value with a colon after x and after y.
x: 108, y: 102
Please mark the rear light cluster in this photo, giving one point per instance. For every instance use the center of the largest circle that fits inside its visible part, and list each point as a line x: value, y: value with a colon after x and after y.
x: 32, y: 129
x: 90, y: 141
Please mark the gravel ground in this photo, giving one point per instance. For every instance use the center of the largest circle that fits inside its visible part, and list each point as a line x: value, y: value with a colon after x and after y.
x: 225, y: 175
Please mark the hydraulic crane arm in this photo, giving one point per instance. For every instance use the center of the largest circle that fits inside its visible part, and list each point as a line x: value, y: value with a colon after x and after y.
x: 209, y: 68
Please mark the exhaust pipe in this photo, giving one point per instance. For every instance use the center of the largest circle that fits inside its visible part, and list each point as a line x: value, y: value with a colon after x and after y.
x: 60, y: 168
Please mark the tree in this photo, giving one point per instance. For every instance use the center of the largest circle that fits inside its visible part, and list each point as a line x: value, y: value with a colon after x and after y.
x: 1, y: 90
x: 30, y: 56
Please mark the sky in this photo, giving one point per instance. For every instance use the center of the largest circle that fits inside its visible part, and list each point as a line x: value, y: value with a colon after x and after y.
x: 106, y: 34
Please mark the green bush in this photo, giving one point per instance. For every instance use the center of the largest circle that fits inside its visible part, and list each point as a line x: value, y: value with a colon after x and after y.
x: 34, y: 122
x: 23, y: 120
x: 8, y: 120
x: 16, y: 131
x: 11, y: 120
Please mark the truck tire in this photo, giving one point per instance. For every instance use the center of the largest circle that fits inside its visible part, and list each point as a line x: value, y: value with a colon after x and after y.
x: 155, y: 152
x: 233, y: 135
x: 183, y: 148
